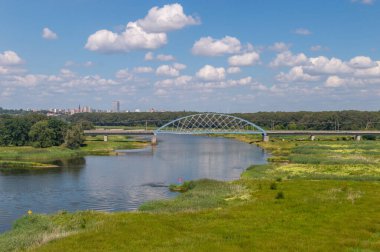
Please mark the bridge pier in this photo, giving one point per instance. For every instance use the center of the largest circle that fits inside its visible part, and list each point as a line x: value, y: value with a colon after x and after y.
x: 154, y: 140
x: 358, y: 137
x: 105, y: 138
x: 265, y: 138
x: 312, y: 138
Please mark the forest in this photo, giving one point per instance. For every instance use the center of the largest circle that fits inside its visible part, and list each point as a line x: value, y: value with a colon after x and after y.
x: 303, y: 120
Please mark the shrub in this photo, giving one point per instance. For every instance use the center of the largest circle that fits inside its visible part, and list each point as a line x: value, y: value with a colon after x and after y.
x: 369, y: 137
x: 184, y: 187
x: 273, y: 186
x: 280, y: 195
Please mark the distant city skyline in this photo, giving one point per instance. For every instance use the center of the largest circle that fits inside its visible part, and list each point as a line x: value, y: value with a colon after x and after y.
x: 223, y: 56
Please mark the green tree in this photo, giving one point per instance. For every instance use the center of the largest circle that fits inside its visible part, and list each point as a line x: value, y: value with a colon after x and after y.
x: 41, y: 135
x: 59, y: 128
x: 74, y: 137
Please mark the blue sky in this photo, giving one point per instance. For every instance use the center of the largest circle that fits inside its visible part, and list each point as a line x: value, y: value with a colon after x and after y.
x: 224, y: 56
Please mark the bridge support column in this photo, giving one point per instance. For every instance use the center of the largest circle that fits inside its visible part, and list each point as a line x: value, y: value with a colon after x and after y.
x: 154, y: 140
x: 265, y: 138
x: 312, y: 138
x: 105, y: 138
x: 358, y: 137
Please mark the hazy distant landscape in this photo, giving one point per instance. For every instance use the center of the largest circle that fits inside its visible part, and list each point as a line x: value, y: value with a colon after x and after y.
x: 132, y: 125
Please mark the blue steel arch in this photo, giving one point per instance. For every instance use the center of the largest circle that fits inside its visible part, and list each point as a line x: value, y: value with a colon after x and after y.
x: 210, y: 123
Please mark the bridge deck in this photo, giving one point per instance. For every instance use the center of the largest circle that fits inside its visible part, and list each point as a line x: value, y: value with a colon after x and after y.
x: 269, y: 133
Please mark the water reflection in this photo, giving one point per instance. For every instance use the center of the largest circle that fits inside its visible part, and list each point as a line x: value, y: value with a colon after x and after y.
x: 122, y: 182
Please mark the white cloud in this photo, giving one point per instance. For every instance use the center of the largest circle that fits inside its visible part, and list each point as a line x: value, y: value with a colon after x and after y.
x: 149, y: 56
x: 134, y: 37
x: 302, y: 31
x: 334, y: 81
x: 180, y: 81
x: 67, y: 73
x: 316, y: 48
x: 208, y: 46
x: 179, y: 66
x: 124, y: 74
x: 233, y: 70
x: 8, y: 58
x: 168, y: 18
x: 49, y: 34
x: 324, y: 65
x: 373, y: 72
x: 279, y: 47
x: 287, y: 58
x: 367, y: 2
x: 246, y: 59
x: 147, y: 33
x: 165, y: 57
x: 3, y: 70
x: 143, y: 70
x: 167, y: 70
x: 296, y: 74
x: 210, y: 73
x: 362, y: 62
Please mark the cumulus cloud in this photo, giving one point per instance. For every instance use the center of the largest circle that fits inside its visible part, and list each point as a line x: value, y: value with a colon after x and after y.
x: 246, y: 59
x: 179, y: 66
x: 296, y: 74
x: 167, y: 70
x: 149, y: 56
x: 233, y: 70
x: 134, y: 37
x: 302, y: 31
x: 287, y: 58
x: 208, y: 46
x: 165, y: 57
x: 124, y: 74
x: 316, y: 48
x: 279, y: 47
x: 143, y: 70
x: 147, y: 33
x: 49, y: 34
x: 168, y: 18
x: 362, y: 62
x: 9, y: 58
x: 334, y: 81
x: 324, y: 65
x: 210, y: 73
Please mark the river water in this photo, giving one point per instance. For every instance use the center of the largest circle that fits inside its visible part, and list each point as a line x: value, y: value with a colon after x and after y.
x: 123, y: 182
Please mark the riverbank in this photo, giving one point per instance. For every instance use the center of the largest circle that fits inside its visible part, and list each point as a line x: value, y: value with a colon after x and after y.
x: 28, y: 157
x: 331, y: 204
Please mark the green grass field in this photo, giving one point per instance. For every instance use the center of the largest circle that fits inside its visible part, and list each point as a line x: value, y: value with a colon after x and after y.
x: 313, y: 196
x: 32, y: 158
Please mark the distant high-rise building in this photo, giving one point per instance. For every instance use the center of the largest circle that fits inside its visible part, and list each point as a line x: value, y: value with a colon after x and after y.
x: 116, y: 106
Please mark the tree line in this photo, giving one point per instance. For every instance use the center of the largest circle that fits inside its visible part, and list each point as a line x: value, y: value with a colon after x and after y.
x: 303, y: 120
x: 40, y: 131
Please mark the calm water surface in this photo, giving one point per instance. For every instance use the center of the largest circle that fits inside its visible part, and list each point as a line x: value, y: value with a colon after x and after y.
x: 115, y: 183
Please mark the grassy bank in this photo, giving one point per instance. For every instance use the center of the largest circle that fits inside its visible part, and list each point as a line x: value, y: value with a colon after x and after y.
x: 30, y: 157
x: 312, y: 196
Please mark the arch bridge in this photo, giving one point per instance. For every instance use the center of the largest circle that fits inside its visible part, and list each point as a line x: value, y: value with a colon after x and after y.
x: 209, y: 123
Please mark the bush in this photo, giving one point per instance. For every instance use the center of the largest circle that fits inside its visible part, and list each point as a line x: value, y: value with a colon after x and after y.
x: 369, y: 137
x: 74, y: 137
x: 273, y: 186
x: 280, y: 195
x: 187, y: 185
x: 41, y: 135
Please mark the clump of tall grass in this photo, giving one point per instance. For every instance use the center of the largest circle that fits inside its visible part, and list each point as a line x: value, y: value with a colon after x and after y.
x: 280, y: 195
x: 184, y: 187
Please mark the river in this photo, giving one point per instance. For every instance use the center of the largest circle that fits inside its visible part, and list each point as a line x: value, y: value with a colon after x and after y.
x: 123, y: 182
